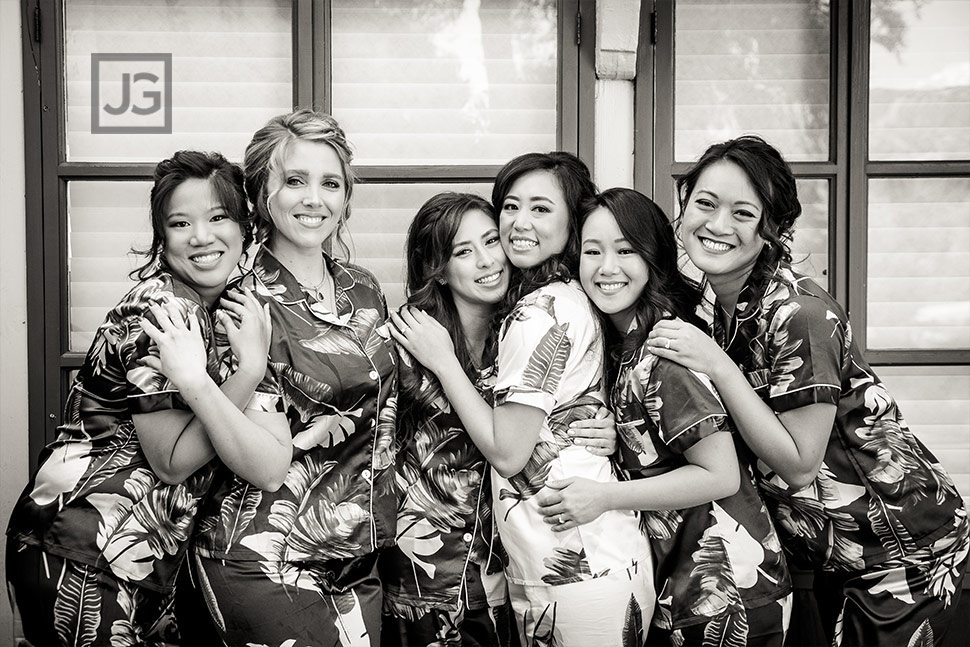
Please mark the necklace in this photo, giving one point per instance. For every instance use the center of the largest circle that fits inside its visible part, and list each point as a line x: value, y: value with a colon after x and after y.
x: 323, y: 290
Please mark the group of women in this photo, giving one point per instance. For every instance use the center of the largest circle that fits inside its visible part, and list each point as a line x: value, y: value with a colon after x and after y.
x: 547, y: 445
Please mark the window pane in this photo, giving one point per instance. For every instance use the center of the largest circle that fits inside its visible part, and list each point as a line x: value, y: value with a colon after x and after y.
x: 810, y: 243
x: 379, y: 224
x: 445, y: 83
x: 231, y: 69
x: 752, y: 66
x: 919, y: 97
x: 919, y: 251
x: 105, y: 220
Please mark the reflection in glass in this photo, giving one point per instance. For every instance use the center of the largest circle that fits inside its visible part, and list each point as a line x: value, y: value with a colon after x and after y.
x: 919, y: 71
x: 752, y: 67
x: 379, y: 224
x: 231, y: 72
x: 445, y: 83
x: 104, y: 220
x: 918, y: 289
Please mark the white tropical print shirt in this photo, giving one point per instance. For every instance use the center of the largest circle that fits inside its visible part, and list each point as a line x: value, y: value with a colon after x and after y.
x: 880, y: 494
x: 334, y: 377
x: 95, y: 499
x: 550, y: 356
x: 711, y: 559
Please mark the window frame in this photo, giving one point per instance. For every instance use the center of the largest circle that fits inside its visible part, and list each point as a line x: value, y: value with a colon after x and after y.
x: 50, y: 362
x: 847, y: 169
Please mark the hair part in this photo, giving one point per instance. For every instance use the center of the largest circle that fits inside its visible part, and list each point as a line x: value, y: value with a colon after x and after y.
x: 773, y: 181
x: 266, y: 153
x: 170, y: 174
x: 576, y: 184
x: 650, y: 233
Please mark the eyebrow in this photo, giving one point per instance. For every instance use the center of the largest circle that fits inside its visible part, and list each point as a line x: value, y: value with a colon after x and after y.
x: 711, y: 193
x: 534, y: 199
x: 459, y: 243
x: 217, y: 207
x: 597, y: 240
x: 300, y: 171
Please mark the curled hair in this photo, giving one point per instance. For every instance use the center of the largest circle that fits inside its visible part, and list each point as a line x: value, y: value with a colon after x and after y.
x: 773, y: 181
x: 649, y: 232
x: 576, y: 185
x: 430, y: 240
x: 227, y: 182
x: 267, y: 150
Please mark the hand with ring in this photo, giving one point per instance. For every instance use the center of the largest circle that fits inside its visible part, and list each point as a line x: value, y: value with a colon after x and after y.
x: 572, y: 502
x: 689, y: 346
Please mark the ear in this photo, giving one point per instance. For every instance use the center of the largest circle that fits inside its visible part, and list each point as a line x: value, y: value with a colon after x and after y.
x: 440, y: 280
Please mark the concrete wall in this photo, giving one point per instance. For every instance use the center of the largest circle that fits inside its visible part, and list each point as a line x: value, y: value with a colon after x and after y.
x: 13, y: 288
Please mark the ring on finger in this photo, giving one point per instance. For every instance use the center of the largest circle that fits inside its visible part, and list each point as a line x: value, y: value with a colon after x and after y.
x: 561, y: 520
x: 667, y: 343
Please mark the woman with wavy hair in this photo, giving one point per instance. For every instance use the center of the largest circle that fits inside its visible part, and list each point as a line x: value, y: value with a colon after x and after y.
x: 855, y: 495
x: 97, y: 538
x: 592, y: 583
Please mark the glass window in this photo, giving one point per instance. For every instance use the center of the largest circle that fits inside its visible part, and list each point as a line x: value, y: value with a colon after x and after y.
x: 445, y: 83
x: 810, y: 242
x: 752, y: 67
x: 231, y: 70
x: 919, y: 84
x: 918, y: 288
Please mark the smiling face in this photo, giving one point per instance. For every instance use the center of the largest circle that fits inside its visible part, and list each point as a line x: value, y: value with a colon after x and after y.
x: 307, y: 198
x: 477, y: 272
x: 534, y: 220
x: 720, y: 223
x: 202, y: 243
x: 613, y: 274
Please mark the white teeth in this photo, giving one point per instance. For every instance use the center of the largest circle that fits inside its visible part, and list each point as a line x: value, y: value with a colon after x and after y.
x: 203, y: 259
x: 610, y: 287
x: 522, y: 244
x: 309, y: 220
x: 715, y: 246
x: 491, y: 278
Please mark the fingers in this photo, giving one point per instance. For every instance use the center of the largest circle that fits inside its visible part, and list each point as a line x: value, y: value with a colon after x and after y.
x: 151, y: 329
x: 152, y: 362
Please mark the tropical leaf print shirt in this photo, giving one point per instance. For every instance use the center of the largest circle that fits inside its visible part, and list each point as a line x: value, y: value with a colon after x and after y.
x: 333, y: 376
x: 550, y: 356
x: 713, y: 558
x: 447, y: 550
x: 879, y: 494
x: 95, y: 499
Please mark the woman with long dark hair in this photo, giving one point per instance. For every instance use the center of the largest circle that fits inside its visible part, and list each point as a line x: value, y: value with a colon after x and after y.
x: 591, y: 584
x: 720, y: 574
x: 855, y: 495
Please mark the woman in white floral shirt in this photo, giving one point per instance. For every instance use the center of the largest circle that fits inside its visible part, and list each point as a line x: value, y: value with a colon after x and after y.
x: 592, y: 583
x: 99, y: 534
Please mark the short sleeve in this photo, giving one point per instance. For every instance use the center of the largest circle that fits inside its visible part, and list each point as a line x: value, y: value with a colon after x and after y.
x: 690, y: 409
x: 805, y: 348
x: 148, y: 390
x: 532, y: 356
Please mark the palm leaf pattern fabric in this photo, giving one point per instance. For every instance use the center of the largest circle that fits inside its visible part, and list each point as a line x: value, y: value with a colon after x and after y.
x: 880, y: 494
x: 714, y: 559
x: 446, y: 557
x: 550, y: 356
x: 333, y: 376
x: 95, y: 498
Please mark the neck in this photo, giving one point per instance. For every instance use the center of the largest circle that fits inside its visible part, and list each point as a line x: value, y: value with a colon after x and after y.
x: 727, y: 287
x: 306, y: 264
x: 475, y: 321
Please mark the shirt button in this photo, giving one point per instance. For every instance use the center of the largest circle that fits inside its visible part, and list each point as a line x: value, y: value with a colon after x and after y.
x: 372, y: 375
x: 467, y: 537
x: 366, y: 475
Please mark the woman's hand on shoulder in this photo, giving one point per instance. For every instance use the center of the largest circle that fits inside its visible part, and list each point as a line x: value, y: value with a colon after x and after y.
x: 597, y: 434
x: 686, y: 344
x: 182, y: 355
x: 424, y: 337
x: 249, y: 328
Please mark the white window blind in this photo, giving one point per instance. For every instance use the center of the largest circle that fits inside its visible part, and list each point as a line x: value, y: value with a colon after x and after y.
x: 919, y: 94
x: 918, y: 290
x: 455, y: 82
x: 752, y: 66
x: 231, y: 71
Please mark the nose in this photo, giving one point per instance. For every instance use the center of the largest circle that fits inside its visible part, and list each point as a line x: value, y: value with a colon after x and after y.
x: 484, y: 259
x: 521, y: 220
x: 202, y: 235
x: 312, y: 197
x: 608, y: 265
x: 720, y: 222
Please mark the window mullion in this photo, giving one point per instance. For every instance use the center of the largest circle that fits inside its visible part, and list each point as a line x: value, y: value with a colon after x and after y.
x: 857, y: 203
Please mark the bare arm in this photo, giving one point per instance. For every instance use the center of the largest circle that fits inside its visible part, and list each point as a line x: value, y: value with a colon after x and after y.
x: 712, y: 474
x: 505, y: 435
x: 255, y: 445
x: 792, y: 443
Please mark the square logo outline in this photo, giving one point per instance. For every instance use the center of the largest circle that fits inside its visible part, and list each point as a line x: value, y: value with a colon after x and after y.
x: 96, y: 59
